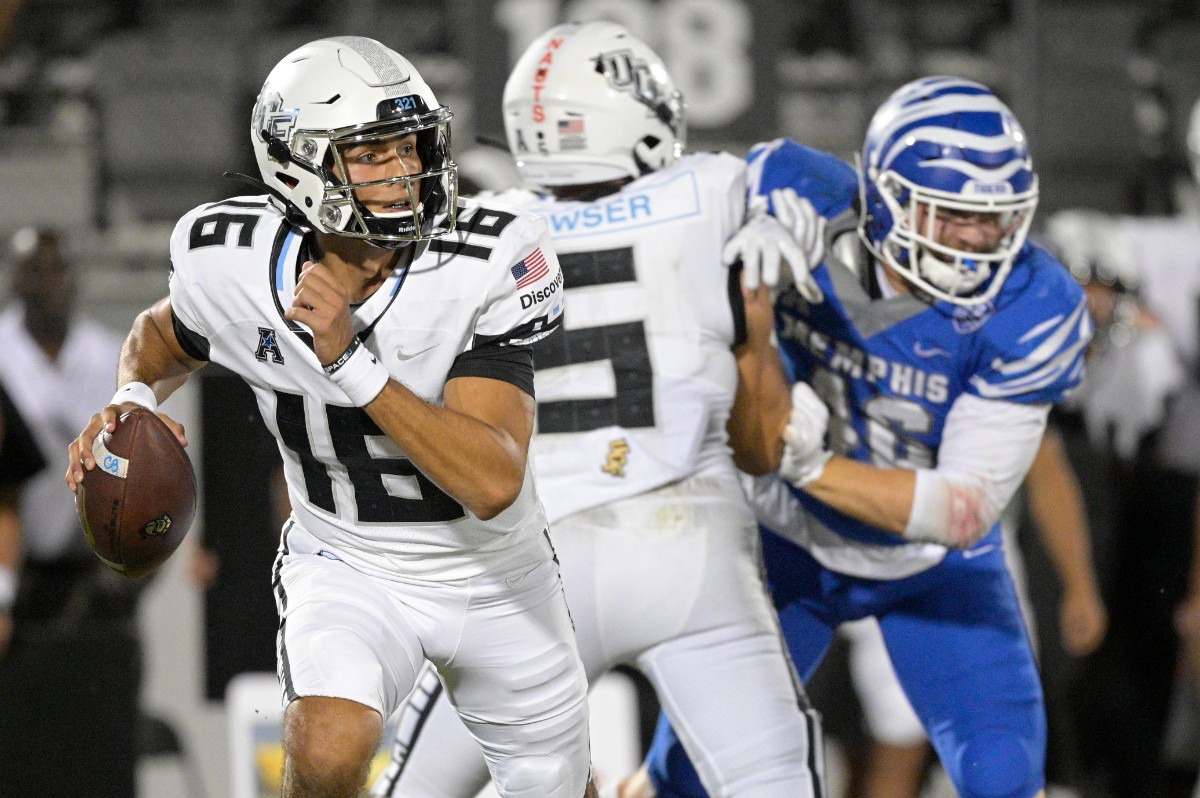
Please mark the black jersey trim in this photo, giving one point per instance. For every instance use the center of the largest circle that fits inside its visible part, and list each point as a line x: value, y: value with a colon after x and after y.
x: 238, y: 204
x: 530, y: 332
x: 460, y: 249
x: 193, y: 343
x: 281, y: 236
x: 737, y: 304
x: 281, y: 598
x: 511, y: 364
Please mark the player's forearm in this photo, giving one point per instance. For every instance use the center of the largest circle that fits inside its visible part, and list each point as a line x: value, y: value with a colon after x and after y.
x: 760, y: 411
x: 479, y: 465
x: 1056, y: 504
x: 881, y: 497
x: 762, y: 401
x: 152, y: 355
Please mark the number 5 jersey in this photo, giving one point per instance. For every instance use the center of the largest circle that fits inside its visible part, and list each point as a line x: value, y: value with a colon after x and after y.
x: 635, y: 391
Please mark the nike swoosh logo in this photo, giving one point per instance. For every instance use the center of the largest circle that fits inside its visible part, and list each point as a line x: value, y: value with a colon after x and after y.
x: 971, y: 554
x: 932, y: 351
x: 513, y: 581
x: 409, y: 355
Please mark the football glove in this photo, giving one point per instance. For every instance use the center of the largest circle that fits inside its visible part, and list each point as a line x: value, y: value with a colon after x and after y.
x: 804, y: 452
x: 764, y: 242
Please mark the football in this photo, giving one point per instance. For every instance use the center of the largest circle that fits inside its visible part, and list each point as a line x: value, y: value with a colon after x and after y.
x: 139, y: 501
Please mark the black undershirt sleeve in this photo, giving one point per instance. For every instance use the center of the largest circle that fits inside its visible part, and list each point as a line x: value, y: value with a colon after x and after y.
x: 511, y: 364
x: 195, y: 344
x: 737, y: 304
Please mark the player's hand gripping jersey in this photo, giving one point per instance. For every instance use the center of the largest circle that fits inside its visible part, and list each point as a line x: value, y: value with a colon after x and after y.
x: 893, y: 369
x: 463, y: 303
x: 635, y: 393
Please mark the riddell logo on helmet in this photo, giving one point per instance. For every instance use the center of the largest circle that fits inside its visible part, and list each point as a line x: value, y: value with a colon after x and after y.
x: 539, y: 79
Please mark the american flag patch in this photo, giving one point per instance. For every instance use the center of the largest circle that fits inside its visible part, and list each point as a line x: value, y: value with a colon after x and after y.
x: 530, y: 270
x: 570, y: 127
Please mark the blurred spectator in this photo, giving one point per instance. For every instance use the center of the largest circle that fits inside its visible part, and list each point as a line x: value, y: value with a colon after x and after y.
x: 70, y: 609
x: 19, y: 461
x: 1134, y: 424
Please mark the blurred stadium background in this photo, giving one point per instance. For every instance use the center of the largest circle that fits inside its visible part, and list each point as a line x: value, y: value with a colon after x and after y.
x: 116, y: 116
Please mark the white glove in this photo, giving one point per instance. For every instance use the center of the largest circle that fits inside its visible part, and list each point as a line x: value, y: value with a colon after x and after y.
x: 764, y: 241
x: 804, y: 452
x: 807, y: 226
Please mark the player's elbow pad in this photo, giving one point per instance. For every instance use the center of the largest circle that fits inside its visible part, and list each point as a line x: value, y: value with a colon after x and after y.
x: 954, y: 509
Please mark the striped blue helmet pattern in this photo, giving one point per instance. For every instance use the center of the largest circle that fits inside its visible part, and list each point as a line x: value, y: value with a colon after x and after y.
x: 951, y: 141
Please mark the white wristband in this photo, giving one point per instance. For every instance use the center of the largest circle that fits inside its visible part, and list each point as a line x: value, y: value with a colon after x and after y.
x: 139, y: 393
x: 362, y: 376
x: 8, y: 588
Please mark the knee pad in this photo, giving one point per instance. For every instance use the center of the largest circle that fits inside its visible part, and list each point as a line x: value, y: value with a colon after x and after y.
x: 997, y: 763
x: 541, y: 777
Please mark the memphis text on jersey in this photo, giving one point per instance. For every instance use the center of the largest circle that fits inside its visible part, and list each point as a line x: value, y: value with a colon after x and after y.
x: 901, y: 379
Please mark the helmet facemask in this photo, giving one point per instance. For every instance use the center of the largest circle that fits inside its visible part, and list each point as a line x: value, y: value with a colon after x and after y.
x: 911, y: 246
x: 430, y: 192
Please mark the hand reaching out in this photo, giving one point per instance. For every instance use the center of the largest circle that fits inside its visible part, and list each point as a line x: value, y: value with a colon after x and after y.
x: 765, y: 242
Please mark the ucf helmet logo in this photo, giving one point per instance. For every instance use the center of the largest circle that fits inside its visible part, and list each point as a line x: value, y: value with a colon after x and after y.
x: 270, y: 120
x: 625, y: 73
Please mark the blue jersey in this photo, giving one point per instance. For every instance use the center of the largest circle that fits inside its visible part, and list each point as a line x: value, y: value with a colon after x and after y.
x: 890, y: 369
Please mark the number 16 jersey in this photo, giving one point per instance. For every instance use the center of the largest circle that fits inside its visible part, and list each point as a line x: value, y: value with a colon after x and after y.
x: 464, y: 307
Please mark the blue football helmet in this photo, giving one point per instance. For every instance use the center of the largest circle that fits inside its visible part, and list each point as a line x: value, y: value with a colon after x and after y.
x: 950, y: 145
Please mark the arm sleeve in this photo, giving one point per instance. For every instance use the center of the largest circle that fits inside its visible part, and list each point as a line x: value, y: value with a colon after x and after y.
x: 987, y: 448
x: 512, y: 364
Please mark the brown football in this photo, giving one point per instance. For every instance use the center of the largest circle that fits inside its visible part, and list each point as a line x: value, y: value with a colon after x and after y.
x: 139, y: 501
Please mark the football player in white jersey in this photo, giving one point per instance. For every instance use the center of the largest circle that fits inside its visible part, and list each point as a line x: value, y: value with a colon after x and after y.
x: 658, y: 546
x: 385, y: 328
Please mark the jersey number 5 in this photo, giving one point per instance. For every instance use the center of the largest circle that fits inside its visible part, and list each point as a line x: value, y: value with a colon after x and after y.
x: 623, y: 345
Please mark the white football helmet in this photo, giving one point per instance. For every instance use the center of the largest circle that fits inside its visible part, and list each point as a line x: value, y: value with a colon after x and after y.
x: 589, y: 103
x: 349, y: 90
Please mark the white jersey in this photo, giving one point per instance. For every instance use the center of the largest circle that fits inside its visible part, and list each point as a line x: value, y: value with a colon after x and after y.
x: 1166, y: 251
x: 636, y: 390
x: 490, y: 282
